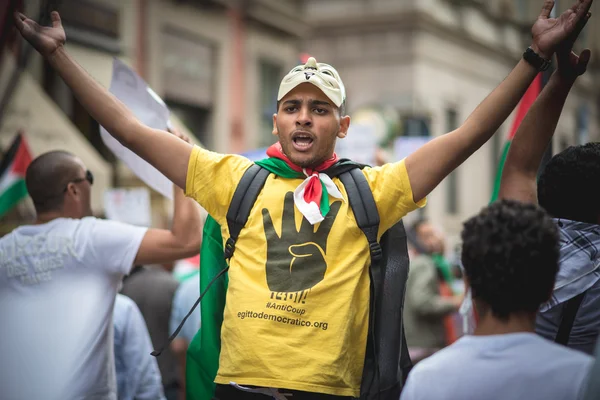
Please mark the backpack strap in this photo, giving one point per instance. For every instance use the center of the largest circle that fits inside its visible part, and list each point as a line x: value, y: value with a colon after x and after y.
x: 243, y: 199
x: 237, y: 215
x: 365, y: 211
x: 364, y: 208
x: 568, y: 318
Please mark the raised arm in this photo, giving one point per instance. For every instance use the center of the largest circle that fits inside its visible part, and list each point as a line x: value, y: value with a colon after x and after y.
x: 429, y: 165
x: 519, y: 176
x: 166, y: 153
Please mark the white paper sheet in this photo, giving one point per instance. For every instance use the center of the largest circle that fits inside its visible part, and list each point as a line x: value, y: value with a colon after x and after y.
x: 131, y: 206
x: 149, y: 108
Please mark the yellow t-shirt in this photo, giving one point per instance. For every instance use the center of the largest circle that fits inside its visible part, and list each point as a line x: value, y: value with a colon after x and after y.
x: 296, y: 312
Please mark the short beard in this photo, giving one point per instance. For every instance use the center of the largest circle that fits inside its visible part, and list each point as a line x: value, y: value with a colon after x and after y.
x: 311, y: 163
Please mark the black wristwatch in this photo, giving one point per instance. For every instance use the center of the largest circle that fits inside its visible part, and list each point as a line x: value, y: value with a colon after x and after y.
x: 533, y: 58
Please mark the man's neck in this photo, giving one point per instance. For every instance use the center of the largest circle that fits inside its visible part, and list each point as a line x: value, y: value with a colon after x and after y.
x: 46, y: 217
x: 516, y: 323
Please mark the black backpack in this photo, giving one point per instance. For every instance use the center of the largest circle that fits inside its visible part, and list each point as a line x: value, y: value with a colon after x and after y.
x: 387, y: 361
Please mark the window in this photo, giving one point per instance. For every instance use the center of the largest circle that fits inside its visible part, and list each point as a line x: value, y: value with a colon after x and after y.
x: 64, y: 98
x: 189, y: 66
x: 415, y: 126
x: 270, y: 75
x: 91, y: 24
x: 452, y: 179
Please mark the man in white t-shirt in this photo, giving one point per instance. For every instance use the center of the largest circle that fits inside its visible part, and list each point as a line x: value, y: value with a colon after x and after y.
x: 58, y: 282
x: 510, y: 257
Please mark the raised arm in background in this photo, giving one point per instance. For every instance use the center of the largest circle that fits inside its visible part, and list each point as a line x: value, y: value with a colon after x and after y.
x: 519, y: 176
x: 430, y: 164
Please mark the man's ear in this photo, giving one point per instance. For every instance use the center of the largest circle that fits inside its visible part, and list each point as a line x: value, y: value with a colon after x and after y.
x: 275, y: 130
x: 71, y: 188
x: 344, y: 125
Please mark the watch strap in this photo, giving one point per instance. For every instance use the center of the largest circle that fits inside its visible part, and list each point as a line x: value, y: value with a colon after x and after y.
x: 534, y: 59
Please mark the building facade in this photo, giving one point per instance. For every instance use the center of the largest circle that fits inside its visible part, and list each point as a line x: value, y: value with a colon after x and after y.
x: 216, y: 63
x: 418, y: 67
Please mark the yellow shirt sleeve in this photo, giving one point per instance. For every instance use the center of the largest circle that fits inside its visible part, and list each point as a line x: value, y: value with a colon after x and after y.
x: 392, y: 193
x: 212, y: 179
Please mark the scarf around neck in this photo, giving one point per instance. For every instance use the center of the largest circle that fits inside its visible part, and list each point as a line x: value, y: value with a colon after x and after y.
x: 311, y: 197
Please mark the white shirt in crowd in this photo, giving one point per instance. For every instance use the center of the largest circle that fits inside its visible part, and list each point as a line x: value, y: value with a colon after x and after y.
x: 509, y: 366
x: 58, y: 283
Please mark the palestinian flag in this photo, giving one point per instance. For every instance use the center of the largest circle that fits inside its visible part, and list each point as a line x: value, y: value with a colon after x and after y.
x: 203, y: 353
x: 12, y: 174
x: 528, y: 98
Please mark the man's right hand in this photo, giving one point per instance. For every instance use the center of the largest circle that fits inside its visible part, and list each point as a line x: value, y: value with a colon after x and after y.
x: 44, y: 39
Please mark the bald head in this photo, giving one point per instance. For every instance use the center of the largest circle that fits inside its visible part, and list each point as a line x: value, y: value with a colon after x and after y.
x: 48, y: 176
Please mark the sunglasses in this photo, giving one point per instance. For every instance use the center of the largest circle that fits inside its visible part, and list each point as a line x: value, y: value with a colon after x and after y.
x: 88, y: 177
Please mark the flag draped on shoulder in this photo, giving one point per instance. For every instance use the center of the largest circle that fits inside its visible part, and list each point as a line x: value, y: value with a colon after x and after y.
x: 12, y: 174
x: 203, y: 353
x: 528, y: 99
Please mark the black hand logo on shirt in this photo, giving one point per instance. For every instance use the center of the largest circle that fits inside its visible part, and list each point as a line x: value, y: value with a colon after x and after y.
x: 296, y: 260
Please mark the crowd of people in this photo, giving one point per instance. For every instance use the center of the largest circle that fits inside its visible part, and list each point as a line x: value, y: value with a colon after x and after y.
x: 83, y: 300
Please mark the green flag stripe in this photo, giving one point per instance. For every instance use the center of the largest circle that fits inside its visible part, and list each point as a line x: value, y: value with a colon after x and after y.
x: 203, y: 353
x: 499, y: 173
x: 13, y: 194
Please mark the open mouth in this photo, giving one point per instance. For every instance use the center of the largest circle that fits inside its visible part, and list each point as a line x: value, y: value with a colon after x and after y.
x: 302, y: 141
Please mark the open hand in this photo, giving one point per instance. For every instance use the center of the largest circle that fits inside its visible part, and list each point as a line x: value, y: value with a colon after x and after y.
x: 44, y: 39
x: 548, y: 33
x: 571, y: 65
x: 296, y: 258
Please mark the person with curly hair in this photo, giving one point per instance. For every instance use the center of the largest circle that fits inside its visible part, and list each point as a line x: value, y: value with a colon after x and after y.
x: 510, y: 257
x: 567, y: 190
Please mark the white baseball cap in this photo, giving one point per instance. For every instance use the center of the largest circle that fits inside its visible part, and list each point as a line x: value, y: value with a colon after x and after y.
x: 323, y: 76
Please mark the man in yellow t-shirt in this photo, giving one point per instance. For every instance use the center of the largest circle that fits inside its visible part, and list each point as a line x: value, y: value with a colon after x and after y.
x: 298, y: 297
x: 297, y: 302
